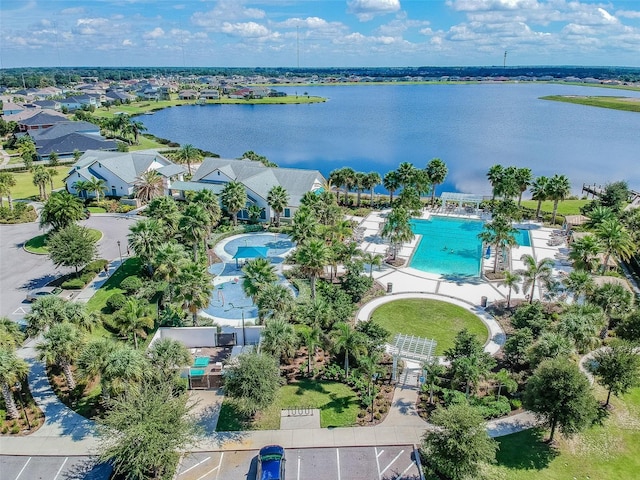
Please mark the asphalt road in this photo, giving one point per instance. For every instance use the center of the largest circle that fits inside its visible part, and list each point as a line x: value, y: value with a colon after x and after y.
x: 52, y: 468
x: 21, y: 271
x: 346, y: 463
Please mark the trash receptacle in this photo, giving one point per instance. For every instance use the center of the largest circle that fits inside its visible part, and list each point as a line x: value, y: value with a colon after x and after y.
x: 483, y: 302
x: 389, y: 287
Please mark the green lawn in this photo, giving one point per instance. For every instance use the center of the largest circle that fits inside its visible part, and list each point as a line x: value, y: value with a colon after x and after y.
x: 430, y: 319
x: 629, y: 104
x: 26, y: 189
x: 97, y: 209
x: 98, y: 302
x: 338, y: 404
x: 38, y: 244
x: 566, y: 207
x: 608, y: 451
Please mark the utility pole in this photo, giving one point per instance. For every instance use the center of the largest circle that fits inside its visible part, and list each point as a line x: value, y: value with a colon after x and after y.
x: 504, y: 61
x: 298, y: 45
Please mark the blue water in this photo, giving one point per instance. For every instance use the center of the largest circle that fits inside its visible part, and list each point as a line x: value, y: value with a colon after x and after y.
x: 471, y: 127
x: 450, y: 246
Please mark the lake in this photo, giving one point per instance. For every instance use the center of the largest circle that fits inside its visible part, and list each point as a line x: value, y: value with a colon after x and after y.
x: 470, y: 127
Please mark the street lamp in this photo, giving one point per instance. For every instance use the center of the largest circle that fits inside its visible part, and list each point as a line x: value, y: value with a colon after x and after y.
x: 119, y: 251
x: 18, y: 387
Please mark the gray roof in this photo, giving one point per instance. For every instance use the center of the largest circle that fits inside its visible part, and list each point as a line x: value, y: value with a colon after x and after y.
x: 261, y: 179
x: 44, y: 117
x: 61, y: 129
x: 67, y: 144
x: 125, y: 165
x: 171, y: 170
x: 197, y: 186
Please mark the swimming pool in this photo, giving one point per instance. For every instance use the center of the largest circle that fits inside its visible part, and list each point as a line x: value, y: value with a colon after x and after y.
x: 450, y: 246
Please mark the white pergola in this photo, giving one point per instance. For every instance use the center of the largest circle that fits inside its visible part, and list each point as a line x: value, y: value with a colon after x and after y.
x: 410, y: 347
x: 461, y: 198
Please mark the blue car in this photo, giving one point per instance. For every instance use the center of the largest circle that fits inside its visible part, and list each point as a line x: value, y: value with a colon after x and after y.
x: 271, y: 462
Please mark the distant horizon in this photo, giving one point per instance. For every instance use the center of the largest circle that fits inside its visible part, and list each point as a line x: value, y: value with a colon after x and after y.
x: 150, y: 33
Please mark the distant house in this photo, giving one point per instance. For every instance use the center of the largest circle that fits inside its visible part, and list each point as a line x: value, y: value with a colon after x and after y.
x: 65, y: 138
x: 50, y: 104
x: 36, y: 118
x: 210, y: 94
x: 188, y: 95
x: 10, y: 108
x: 215, y: 173
x: 119, y: 170
x: 240, y: 93
x: 115, y: 96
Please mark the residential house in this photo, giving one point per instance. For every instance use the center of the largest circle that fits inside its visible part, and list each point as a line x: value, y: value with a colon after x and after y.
x: 10, y: 108
x: 210, y: 94
x: 215, y: 173
x: 64, y: 138
x: 119, y: 170
x: 188, y: 95
x: 36, y: 118
x: 50, y: 104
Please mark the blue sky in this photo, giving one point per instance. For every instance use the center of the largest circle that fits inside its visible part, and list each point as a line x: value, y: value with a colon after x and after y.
x: 318, y: 33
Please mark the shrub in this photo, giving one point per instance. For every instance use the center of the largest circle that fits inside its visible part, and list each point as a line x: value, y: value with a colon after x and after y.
x: 74, y: 284
x: 516, y: 403
x: 491, y: 407
x: 96, y: 266
x: 86, y: 277
x: 116, y: 301
x: 15, y: 429
x: 453, y: 397
x: 3, y: 414
x: 131, y: 284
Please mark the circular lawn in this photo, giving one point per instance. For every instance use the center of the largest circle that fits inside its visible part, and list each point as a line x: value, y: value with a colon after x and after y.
x: 432, y: 319
x: 38, y: 245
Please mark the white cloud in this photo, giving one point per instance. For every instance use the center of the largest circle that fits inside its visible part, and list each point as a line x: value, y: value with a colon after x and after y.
x: 366, y: 10
x: 127, y: 43
x: 628, y: 13
x: 154, y: 34
x: 245, y: 30
x: 224, y: 12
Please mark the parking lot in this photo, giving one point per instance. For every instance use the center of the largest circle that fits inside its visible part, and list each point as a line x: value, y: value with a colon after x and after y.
x: 52, y: 468
x: 346, y: 463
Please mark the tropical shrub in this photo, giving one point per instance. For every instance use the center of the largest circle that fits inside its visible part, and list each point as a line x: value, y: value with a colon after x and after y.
x: 97, y: 266
x: 131, y: 284
x: 74, y: 284
x: 116, y: 301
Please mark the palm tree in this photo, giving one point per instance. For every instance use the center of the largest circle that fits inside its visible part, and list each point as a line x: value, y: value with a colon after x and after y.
x: 41, y: 177
x: 188, y: 154
x: 598, y: 215
x: 312, y: 257
x: 275, y: 299
x: 165, y: 210
x: 615, y: 240
x: 97, y: 186
x: 305, y: 225
x: 369, y: 367
x: 584, y: 253
x: 136, y: 128
x: 12, y: 370
x: 371, y: 180
x: 500, y: 233
x: 61, y: 210
x: 310, y: 338
x: 168, y: 356
x: 234, y: 199
x: 582, y: 324
x: 397, y: 228
x: 579, y: 282
x: 337, y: 178
x: 433, y: 371
x: 534, y: 271
x: 391, y: 182
x: 210, y: 202
x: 134, y: 318
x: 436, y: 172
x: 523, y: 178
x: 539, y: 192
x: 193, y: 288
x: 53, y: 159
x: 7, y: 182
x: 148, y: 185
x: 278, y: 199
x: 558, y: 189
x: 168, y: 261
x: 81, y: 187
x: 371, y: 259
x: 359, y: 180
x: 346, y: 339
x: 194, y: 226
x: 258, y: 273
x: 505, y: 379
x: 93, y: 361
x: 614, y: 299
x: 279, y: 338
x: 511, y: 281
x: 406, y: 174
x: 496, y: 177
x: 125, y: 368
x: 145, y: 238
x: 10, y: 335
x: 61, y: 346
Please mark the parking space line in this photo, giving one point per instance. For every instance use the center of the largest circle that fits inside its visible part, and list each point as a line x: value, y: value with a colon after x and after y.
x: 378, y: 460
x: 219, y: 467
x: 25, y: 466
x: 392, y: 462
x: 405, y: 471
x: 210, y: 471
x: 338, y: 459
x: 194, y: 466
x: 61, y: 467
x: 298, y: 466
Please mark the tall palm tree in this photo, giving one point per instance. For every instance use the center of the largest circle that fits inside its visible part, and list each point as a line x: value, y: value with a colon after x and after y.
x: 61, y: 346
x: 41, y: 177
x: 188, y: 154
x: 305, y: 225
x: 136, y: 128
x: 81, y: 187
x: 93, y: 360
x: 539, y: 192
x: 436, y: 171
x: 615, y: 240
x: 359, y: 181
x: 523, y: 178
x: 210, y: 202
x: 134, y: 318
x: 193, y: 289
x: 310, y: 338
x: 10, y: 335
x: 598, y: 215
x: 61, y: 210
x: 348, y: 181
x: 124, y: 369
x: 279, y: 338
x: 337, y: 178
x: 391, y: 182
x: 433, y: 371
x: 533, y: 272
x: 258, y: 273
x: 165, y: 210
x: 579, y: 283
x: 397, y: 228
x: 346, y: 339
x: 148, y: 185
x: 45, y: 312
x: 7, y: 182
x: 12, y: 370
x: 275, y: 299
x: 495, y: 175
x: 278, y: 199
x: 558, y: 189
x: 168, y: 261
x: 500, y: 233
x: 312, y: 257
x: 369, y: 367
x: 194, y: 226
x: 145, y: 238
x: 371, y: 180
x: 584, y: 253
x: 372, y: 259
x: 582, y: 324
x: 97, y: 186
x: 234, y: 199
x: 168, y: 356
x: 511, y: 280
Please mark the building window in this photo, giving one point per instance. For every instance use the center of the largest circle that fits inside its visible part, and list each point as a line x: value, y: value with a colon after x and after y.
x: 287, y: 212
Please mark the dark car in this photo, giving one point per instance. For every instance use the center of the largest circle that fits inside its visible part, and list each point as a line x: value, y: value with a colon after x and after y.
x: 271, y: 462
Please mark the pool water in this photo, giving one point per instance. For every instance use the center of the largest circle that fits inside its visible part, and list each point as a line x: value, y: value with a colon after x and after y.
x: 450, y: 246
